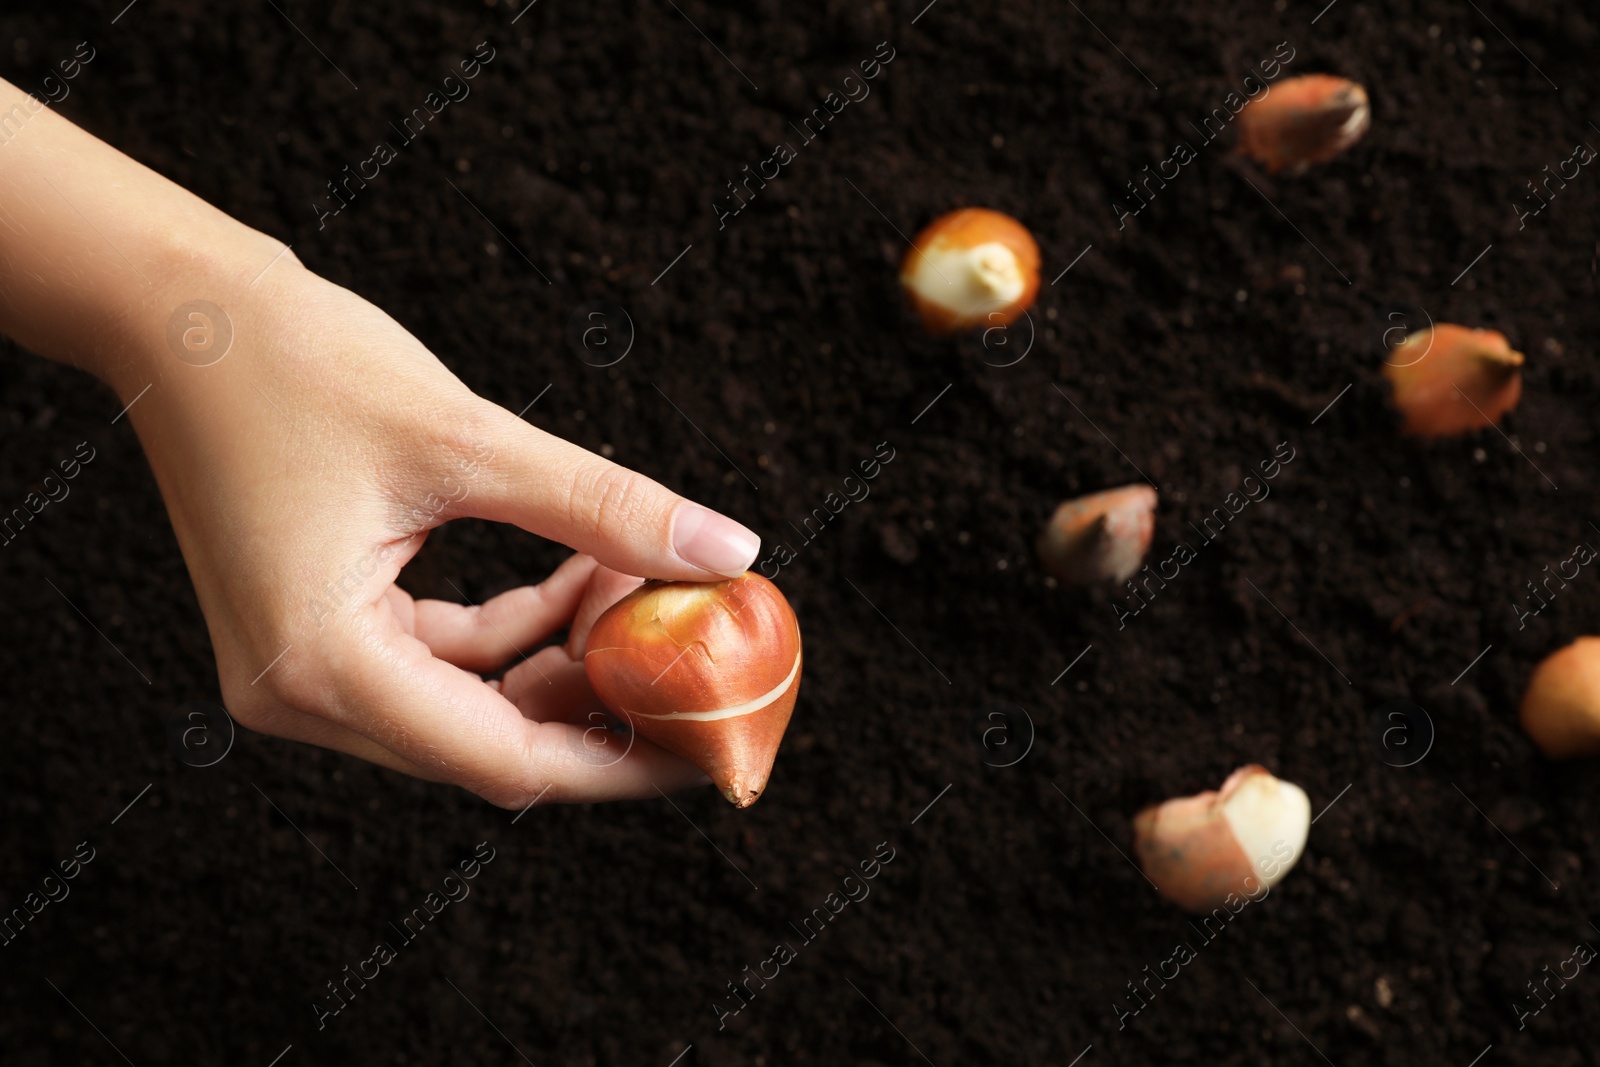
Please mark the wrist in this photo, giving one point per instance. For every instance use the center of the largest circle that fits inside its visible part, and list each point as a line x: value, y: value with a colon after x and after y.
x: 201, y: 275
x: 97, y: 251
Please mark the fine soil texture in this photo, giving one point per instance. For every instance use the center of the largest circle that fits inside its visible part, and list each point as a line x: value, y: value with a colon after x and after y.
x: 989, y: 732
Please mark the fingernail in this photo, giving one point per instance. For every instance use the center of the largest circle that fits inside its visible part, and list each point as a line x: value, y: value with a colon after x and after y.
x: 713, y: 542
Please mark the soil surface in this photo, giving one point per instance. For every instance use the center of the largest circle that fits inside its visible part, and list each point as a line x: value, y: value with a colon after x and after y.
x: 1236, y: 315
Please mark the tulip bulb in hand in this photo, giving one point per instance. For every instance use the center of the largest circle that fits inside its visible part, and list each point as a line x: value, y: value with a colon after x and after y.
x: 708, y: 670
x: 1234, y: 842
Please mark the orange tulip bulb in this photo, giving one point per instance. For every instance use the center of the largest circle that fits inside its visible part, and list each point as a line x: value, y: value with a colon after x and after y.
x: 1304, y: 120
x: 1561, y: 709
x: 707, y: 670
x: 1452, y: 380
x: 970, y: 268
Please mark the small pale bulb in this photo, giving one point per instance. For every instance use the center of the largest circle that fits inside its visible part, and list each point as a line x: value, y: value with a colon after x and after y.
x: 1102, y: 537
x: 1235, y: 842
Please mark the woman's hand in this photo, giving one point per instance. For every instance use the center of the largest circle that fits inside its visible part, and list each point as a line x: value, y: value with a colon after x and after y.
x: 303, y: 464
x: 305, y: 467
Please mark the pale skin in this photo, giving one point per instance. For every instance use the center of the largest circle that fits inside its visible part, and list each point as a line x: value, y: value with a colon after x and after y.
x: 305, y: 468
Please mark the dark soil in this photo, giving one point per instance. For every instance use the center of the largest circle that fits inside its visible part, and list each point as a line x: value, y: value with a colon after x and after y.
x: 1197, y: 339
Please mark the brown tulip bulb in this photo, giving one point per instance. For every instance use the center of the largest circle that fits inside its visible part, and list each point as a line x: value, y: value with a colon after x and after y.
x: 708, y: 670
x: 1304, y: 120
x: 970, y: 268
x: 1452, y: 380
x: 1238, y: 841
x: 1561, y: 709
x: 1102, y: 537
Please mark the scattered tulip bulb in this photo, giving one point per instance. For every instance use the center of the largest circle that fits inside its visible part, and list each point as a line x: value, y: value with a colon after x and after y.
x: 1304, y: 120
x: 1451, y: 379
x: 1561, y: 709
x: 708, y: 670
x: 1237, y: 841
x: 1101, y: 537
x: 972, y: 267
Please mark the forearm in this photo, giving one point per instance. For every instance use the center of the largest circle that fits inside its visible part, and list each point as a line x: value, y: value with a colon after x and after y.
x: 97, y: 250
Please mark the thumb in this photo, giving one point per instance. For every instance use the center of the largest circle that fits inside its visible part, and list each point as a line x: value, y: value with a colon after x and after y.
x: 628, y: 522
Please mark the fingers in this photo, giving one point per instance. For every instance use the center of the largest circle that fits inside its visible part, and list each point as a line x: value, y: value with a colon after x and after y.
x: 626, y: 521
x: 452, y: 726
x: 291, y: 725
x: 485, y: 637
x: 605, y: 588
x: 550, y: 687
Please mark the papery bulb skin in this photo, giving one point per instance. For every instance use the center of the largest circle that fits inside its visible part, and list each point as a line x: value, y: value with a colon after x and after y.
x: 707, y: 670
